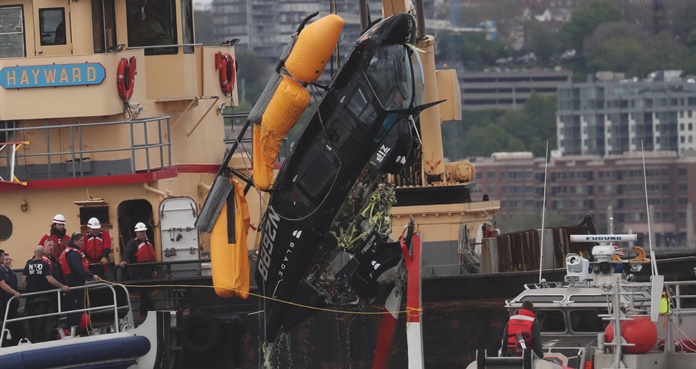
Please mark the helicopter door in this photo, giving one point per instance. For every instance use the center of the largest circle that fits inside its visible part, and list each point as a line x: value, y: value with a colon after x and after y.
x: 52, y: 27
x: 179, y: 236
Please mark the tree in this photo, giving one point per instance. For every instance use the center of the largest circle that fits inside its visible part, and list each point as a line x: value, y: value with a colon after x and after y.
x: 542, y: 41
x: 621, y: 55
x: 541, y: 121
x: 585, y: 20
x: 483, y: 141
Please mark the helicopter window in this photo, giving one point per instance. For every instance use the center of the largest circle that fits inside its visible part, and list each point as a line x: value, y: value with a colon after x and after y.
x: 587, y: 321
x: 390, y: 76
x: 12, y: 32
x: 316, y: 174
x: 52, y: 26
x: 152, y: 23
x: 358, y: 102
x: 418, y: 78
x: 551, y: 321
x: 103, y: 25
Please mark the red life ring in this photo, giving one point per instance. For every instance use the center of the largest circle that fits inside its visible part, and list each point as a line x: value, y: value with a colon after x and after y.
x: 227, y: 67
x: 126, y: 78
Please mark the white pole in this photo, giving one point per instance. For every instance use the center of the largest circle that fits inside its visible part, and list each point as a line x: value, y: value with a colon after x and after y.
x: 543, y: 212
x: 653, y: 264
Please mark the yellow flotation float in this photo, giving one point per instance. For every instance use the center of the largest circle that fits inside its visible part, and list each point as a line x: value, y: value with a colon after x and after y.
x: 228, y: 246
x: 284, y: 99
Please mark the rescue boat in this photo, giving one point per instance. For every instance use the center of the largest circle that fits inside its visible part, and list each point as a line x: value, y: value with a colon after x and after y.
x: 113, y: 341
x: 599, y: 300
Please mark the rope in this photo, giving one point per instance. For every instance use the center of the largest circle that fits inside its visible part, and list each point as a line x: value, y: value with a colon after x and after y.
x: 407, y: 311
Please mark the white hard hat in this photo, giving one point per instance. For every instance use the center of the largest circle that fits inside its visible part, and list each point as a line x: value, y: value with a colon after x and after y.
x: 93, y: 223
x: 140, y: 227
x: 59, y: 219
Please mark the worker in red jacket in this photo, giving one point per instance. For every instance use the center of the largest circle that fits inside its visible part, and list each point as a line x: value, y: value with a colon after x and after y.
x: 97, y: 247
x: 522, y: 328
x: 140, y: 250
x: 57, y: 234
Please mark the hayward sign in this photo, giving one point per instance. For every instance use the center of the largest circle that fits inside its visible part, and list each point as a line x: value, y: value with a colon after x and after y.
x: 55, y: 75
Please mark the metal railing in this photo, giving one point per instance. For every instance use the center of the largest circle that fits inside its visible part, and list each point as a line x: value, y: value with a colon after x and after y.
x: 77, y: 155
x: 60, y: 312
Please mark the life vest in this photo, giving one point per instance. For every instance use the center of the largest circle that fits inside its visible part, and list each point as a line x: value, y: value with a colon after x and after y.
x: 46, y: 260
x: 664, y: 305
x: 523, y: 321
x: 64, y: 260
x: 95, y: 245
x: 145, y: 253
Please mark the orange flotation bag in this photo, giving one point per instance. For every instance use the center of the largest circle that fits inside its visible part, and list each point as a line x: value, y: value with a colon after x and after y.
x: 286, y: 106
x: 313, y: 48
x: 229, y: 257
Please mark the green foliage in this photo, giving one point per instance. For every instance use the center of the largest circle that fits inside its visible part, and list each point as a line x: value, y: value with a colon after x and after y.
x: 481, y: 133
x: 542, y: 41
x: 620, y: 47
x: 471, y: 48
x: 585, y: 20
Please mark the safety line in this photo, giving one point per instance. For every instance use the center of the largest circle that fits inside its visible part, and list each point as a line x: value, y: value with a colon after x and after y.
x: 409, y: 311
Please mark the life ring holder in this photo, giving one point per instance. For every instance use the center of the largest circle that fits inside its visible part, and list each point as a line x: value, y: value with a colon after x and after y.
x: 201, y: 332
x: 125, y: 80
x: 227, y: 71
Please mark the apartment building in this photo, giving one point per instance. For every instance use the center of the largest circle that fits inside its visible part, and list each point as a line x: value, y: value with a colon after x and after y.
x: 616, y: 116
x: 612, y: 185
x: 263, y: 27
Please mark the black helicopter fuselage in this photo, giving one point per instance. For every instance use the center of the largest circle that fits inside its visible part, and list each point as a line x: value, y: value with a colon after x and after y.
x: 376, y: 88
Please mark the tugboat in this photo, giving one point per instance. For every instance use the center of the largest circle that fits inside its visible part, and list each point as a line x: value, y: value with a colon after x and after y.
x: 599, y: 300
x: 110, y: 110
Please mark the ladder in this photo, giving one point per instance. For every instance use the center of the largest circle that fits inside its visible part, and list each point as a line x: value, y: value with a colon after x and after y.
x: 15, y: 146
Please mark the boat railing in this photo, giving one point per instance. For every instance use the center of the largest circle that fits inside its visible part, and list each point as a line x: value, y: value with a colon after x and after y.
x: 157, y: 152
x: 683, y: 301
x: 167, y: 49
x: 114, y: 306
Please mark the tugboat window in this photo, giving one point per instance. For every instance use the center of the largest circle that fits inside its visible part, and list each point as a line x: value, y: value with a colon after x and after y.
x: 5, y: 228
x: 52, y: 26
x: 187, y: 25
x: 152, y: 24
x: 12, y: 32
x: 103, y: 25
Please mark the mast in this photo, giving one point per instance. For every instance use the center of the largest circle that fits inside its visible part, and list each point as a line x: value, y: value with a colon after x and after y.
x: 431, y: 118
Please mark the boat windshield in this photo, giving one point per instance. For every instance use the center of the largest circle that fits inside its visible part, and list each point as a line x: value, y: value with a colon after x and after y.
x: 390, y: 74
x: 551, y: 321
x: 587, y: 321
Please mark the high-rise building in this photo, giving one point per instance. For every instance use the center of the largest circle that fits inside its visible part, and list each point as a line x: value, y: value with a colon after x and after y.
x: 263, y: 27
x: 616, y: 116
